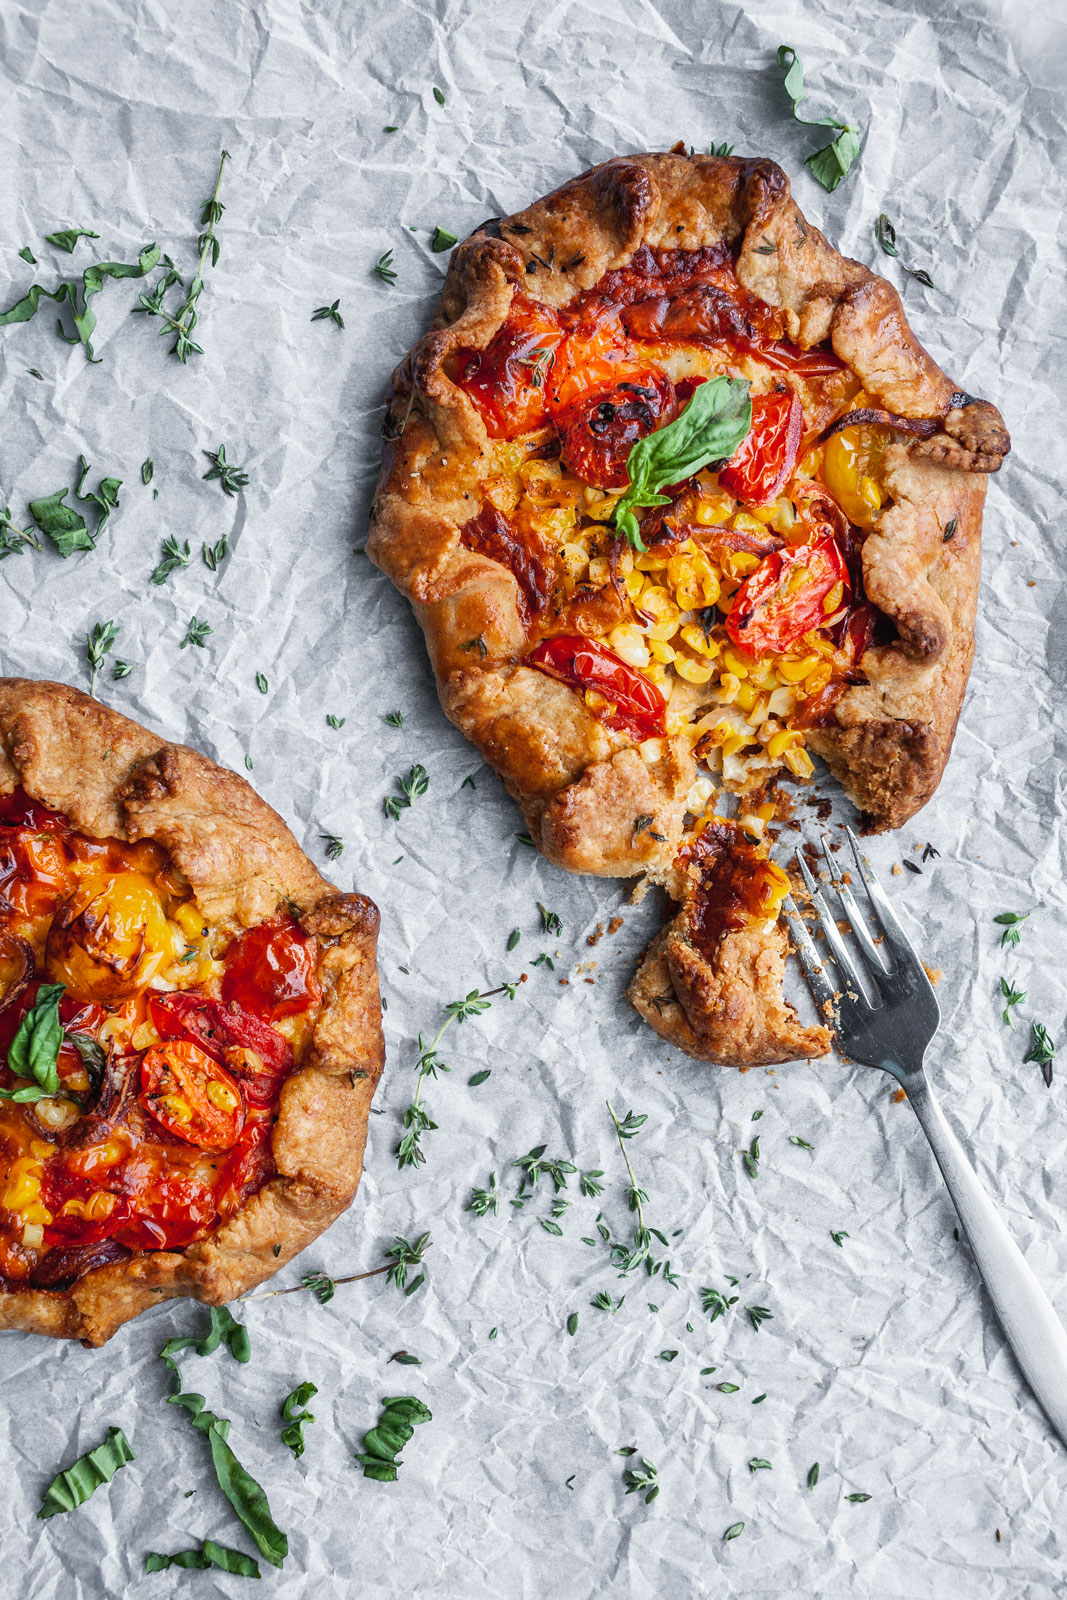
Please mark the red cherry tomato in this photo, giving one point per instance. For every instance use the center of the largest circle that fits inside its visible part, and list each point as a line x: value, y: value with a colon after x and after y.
x: 254, y: 1052
x: 508, y: 379
x: 783, y: 599
x: 249, y: 1164
x: 600, y: 430
x: 191, y: 1096
x: 270, y: 971
x: 636, y: 705
x: 18, y: 810
x: 763, y: 462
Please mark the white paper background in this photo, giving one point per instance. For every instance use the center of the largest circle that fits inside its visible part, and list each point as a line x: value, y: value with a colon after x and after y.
x: 882, y: 1361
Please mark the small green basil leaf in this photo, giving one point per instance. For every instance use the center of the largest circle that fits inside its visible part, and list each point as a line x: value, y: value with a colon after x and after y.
x: 74, y: 1486
x: 209, y: 1555
x: 67, y: 238
x: 34, y: 1050
x: 710, y: 428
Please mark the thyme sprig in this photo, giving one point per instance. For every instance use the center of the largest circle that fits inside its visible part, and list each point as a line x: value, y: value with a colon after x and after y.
x: 401, y: 1254
x: 331, y: 312
x: 174, y: 555
x: 417, y: 1119
x: 98, y: 643
x: 642, y: 1480
x: 14, y: 540
x: 628, y: 1257
x: 184, y: 320
x: 230, y: 478
x: 886, y: 235
x: 482, y: 1201
x: 417, y: 782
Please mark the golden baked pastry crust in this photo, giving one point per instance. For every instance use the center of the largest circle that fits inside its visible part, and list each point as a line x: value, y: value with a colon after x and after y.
x: 579, y: 782
x: 115, y: 779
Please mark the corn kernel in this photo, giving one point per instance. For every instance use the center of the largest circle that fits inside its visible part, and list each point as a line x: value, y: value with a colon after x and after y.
x: 766, y: 811
x: 653, y: 561
x: 222, y: 1097
x: 799, y: 763
x: 21, y: 1192
x: 759, y: 711
x: 713, y: 510
x: 651, y: 751
x: 729, y: 684
x: 797, y: 670
x: 36, y: 1213
x: 33, y: 1235
x: 764, y: 514
x: 832, y: 601
x: 788, y: 739
x: 736, y: 663
x: 627, y: 641
x: 692, y: 671
x: 660, y: 651
x: 695, y: 637
x: 598, y: 507
x: 700, y: 792
x: 745, y: 697
x: 818, y: 677
x: 656, y: 672
x: 745, y: 522
x: 176, y: 1107
x: 732, y: 746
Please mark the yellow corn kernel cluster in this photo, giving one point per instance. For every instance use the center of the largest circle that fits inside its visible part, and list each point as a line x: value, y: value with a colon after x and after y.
x: 672, y: 589
x: 22, y: 1191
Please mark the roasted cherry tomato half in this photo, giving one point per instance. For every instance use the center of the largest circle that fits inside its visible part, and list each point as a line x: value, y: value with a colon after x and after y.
x: 763, y: 462
x: 508, y: 379
x: 270, y: 971
x: 254, y: 1052
x: 786, y: 596
x: 249, y: 1164
x: 599, y: 432
x: 628, y: 701
x: 191, y: 1096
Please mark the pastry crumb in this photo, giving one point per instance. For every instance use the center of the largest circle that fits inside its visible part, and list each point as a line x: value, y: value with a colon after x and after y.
x: 897, y: 869
x: 933, y: 973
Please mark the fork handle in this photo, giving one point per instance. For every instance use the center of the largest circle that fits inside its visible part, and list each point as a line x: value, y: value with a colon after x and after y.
x: 1032, y: 1328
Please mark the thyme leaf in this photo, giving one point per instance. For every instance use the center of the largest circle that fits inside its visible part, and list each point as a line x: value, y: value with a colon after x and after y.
x: 417, y: 782
x: 174, y: 556
x: 330, y: 313
x: 1010, y: 921
x: 643, y: 1480
x: 385, y: 269
x: 1012, y: 997
x: 230, y: 478
x: 196, y: 633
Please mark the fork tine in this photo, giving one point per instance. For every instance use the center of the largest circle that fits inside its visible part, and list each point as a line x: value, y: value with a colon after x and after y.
x: 857, y: 920
x: 838, y: 948
x: 821, y: 987
x: 895, y: 937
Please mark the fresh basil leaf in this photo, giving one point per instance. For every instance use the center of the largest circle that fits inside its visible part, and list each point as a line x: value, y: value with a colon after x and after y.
x: 224, y: 1329
x: 67, y: 238
x: 293, y: 1435
x: 710, y: 428
x: 240, y: 1488
x: 830, y: 164
x: 210, y: 1554
x: 63, y: 525
x: 94, y: 1056
x: 77, y: 1483
x: 34, y: 1050
x: 93, y: 279
x: 401, y: 1414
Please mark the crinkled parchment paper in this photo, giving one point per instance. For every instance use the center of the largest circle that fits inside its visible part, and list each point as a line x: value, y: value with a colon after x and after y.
x: 882, y: 1361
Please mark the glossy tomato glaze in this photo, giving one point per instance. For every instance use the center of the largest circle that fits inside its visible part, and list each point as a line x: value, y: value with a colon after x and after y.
x: 170, y: 1065
x: 736, y: 884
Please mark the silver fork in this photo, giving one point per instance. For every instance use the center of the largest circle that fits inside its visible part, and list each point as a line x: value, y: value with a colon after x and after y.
x: 885, y: 1014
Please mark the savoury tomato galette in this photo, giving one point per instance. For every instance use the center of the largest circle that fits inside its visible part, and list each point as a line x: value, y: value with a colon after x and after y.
x: 190, y: 1032
x: 679, y: 501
